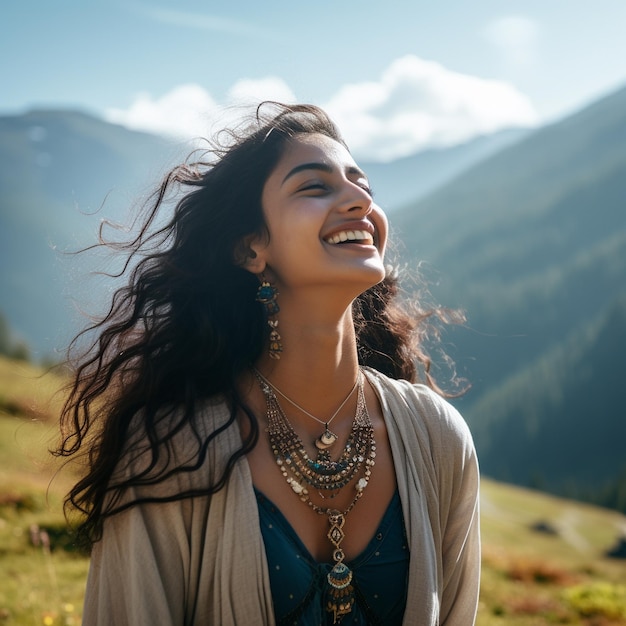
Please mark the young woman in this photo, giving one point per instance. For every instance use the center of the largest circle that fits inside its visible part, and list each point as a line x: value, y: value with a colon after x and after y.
x: 258, y: 450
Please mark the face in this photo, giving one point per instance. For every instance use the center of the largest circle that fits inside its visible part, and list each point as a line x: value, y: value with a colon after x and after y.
x: 324, y: 227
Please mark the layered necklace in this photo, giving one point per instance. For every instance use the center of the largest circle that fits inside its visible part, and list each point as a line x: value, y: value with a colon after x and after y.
x: 325, y: 475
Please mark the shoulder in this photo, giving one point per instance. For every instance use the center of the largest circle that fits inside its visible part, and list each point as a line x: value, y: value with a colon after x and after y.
x: 431, y: 442
x: 175, y: 450
x: 416, y: 407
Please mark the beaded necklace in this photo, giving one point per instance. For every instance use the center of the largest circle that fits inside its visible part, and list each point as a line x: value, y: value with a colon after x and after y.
x: 327, y: 476
x: 327, y: 438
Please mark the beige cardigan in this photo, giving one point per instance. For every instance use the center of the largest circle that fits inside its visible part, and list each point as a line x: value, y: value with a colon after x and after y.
x: 201, y: 561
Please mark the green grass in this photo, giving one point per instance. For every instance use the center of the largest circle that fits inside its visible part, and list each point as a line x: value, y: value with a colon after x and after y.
x: 42, y: 577
x: 530, y: 578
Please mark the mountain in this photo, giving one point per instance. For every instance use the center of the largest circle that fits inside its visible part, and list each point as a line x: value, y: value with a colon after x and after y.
x: 405, y: 180
x: 564, y: 410
x: 61, y: 173
x: 528, y: 237
x: 532, y: 243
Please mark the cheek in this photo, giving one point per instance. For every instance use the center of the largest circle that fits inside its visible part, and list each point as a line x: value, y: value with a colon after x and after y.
x: 382, y: 227
x: 289, y: 241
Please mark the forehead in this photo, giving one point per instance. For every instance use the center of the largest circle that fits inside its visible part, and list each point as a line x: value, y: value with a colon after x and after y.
x: 313, y: 148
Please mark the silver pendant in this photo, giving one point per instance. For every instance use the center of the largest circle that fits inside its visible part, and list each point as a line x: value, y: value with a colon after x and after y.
x: 325, y: 440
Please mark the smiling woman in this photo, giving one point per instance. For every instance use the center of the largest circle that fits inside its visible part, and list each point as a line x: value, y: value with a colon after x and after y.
x: 316, y: 198
x: 259, y: 449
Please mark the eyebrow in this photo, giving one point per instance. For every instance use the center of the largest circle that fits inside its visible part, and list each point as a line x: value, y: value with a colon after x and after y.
x: 322, y: 167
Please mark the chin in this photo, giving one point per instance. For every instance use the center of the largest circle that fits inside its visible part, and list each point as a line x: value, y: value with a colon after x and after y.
x: 372, y: 276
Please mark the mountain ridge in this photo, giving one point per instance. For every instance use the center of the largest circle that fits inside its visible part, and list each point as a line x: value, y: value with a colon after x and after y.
x: 530, y: 240
x: 532, y: 243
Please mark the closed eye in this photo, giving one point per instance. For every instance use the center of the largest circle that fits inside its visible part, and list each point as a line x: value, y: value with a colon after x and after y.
x: 363, y: 182
x: 367, y: 189
x: 314, y: 187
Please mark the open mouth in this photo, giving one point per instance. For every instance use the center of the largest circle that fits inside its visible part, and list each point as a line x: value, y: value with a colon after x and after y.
x: 351, y: 236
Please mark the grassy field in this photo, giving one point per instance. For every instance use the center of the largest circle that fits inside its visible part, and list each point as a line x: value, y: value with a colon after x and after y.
x: 543, y: 558
x: 41, y: 576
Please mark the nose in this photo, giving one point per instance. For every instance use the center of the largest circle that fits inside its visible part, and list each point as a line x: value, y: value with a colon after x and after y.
x: 355, y: 198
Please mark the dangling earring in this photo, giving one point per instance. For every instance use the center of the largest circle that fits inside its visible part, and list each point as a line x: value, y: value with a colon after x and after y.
x: 266, y: 295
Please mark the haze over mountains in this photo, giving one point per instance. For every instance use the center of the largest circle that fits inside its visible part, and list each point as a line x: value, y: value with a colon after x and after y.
x: 526, y: 232
x: 532, y: 243
x: 61, y: 173
x: 65, y: 171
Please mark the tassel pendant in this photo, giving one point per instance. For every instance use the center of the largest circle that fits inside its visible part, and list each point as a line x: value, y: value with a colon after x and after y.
x: 340, y: 593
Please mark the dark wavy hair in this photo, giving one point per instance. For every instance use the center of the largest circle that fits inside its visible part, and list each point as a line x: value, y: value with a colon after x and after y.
x: 186, y: 324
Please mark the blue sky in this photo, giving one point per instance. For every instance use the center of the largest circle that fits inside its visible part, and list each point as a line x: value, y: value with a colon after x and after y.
x: 397, y: 75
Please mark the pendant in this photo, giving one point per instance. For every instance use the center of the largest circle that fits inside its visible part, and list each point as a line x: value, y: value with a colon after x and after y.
x: 340, y: 592
x: 325, y: 440
x: 340, y: 595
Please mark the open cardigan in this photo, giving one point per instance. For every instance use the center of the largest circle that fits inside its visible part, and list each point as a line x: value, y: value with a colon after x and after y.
x: 201, y: 561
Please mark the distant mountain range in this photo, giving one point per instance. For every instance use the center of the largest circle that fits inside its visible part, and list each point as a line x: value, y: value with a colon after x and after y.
x: 406, y: 180
x: 524, y: 230
x: 532, y: 243
x: 61, y: 173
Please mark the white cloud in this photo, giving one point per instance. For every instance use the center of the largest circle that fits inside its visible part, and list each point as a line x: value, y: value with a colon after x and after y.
x: 418, y: 104
x: 189, y: 111
x: 516, y: 37
x: 415, y: 104
x: 183, y: 112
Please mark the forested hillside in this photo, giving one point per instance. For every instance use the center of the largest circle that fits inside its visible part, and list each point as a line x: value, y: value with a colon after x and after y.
x: 403, y: 181
x: 532, y: 243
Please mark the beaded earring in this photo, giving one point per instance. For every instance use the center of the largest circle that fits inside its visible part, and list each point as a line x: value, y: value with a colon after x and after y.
x: 266, y: 295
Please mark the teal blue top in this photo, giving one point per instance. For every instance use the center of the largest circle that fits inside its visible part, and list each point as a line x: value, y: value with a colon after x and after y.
x: 298, y: 581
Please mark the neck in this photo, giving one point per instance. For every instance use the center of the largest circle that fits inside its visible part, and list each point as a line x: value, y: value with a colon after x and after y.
x: 319, y: 362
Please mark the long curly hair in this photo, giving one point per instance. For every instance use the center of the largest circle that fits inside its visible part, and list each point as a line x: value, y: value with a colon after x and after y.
x: 186, y: 324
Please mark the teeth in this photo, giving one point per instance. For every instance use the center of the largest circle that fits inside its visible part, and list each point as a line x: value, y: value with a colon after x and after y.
x: 350, y: 235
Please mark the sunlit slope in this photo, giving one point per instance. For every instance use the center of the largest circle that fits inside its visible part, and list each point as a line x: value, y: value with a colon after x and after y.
x: 532, y: 243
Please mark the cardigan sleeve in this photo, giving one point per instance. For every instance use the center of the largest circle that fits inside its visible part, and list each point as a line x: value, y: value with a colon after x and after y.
x: 139, y: 569
x: 438, y: 480
x: 460, y: 524
x: 193, y: 561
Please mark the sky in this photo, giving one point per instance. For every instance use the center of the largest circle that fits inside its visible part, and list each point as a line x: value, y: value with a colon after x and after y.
x: 398, y: 76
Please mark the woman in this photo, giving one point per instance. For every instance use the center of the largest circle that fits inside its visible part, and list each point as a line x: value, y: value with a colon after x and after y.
x: 257, y: 449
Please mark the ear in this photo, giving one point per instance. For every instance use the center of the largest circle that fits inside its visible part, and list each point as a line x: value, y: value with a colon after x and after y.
x: 248, y: 254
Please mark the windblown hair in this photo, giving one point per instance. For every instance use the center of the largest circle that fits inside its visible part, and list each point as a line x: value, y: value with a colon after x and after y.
x: 186, y: 324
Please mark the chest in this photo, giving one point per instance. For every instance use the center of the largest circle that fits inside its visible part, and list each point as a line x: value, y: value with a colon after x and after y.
x: 300, y: 584
x: 309, y: 520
